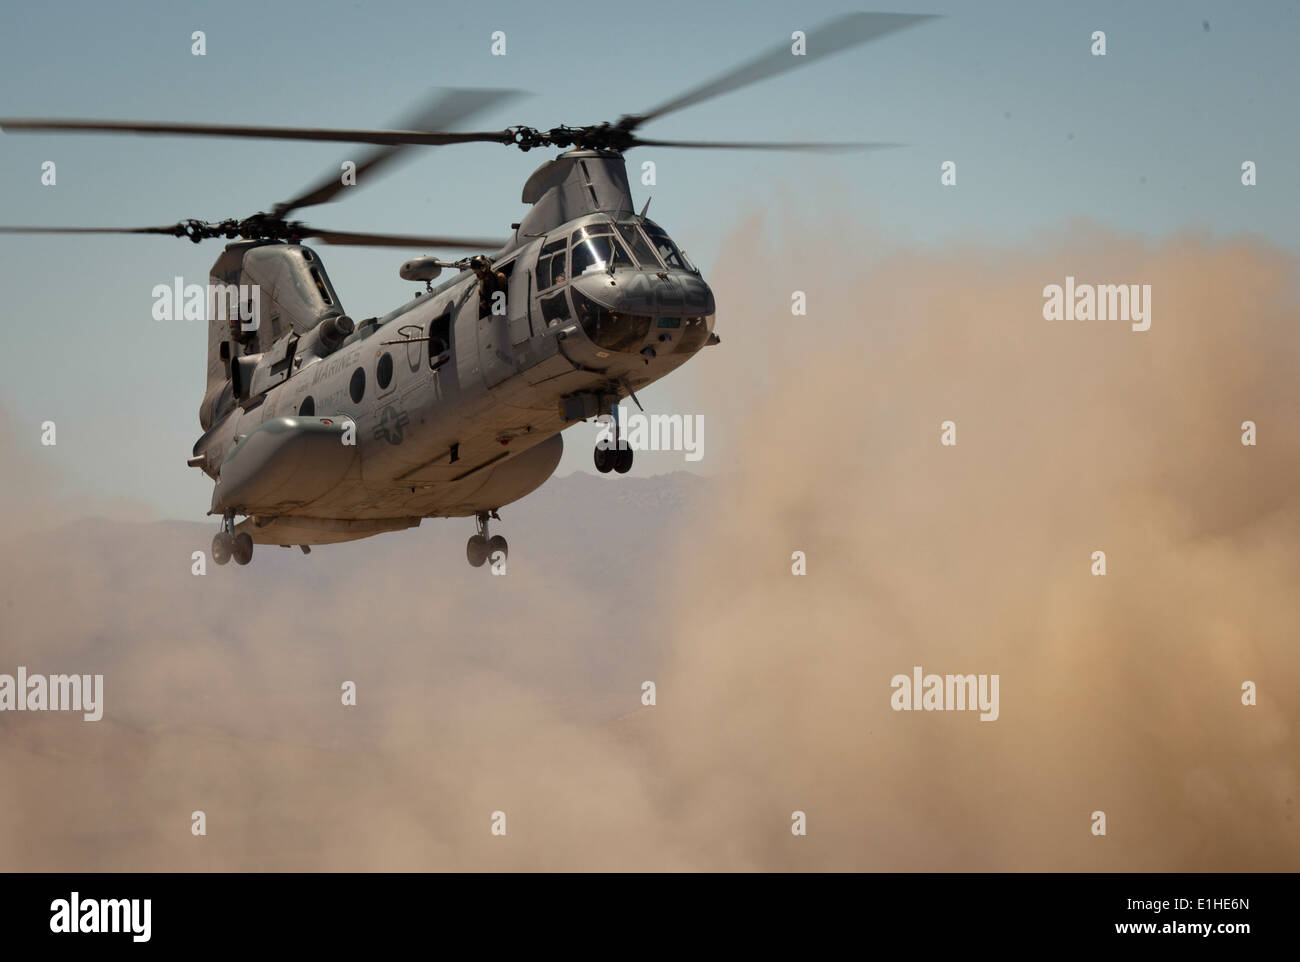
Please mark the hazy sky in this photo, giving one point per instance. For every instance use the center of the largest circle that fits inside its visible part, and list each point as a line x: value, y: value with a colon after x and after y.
x: 1148, y: 139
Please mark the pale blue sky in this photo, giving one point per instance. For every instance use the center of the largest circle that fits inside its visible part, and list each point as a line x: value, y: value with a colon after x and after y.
x: 1148, y: 139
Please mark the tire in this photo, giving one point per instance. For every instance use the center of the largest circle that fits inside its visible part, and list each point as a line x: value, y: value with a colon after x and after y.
x: 605, y: 458
x: 623, y: 463
x: 221, y: 545
x: 497, y: 543
x: 476, y: 550
x: 242, y: 549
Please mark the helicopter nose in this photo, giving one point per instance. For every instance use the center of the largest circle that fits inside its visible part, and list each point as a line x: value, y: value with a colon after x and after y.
x: 649, y: 313
x: 648, y: 293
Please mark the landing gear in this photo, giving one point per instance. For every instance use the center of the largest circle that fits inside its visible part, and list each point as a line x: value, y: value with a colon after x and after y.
x: 613, y: 454
x: 480, y: 547
x: 613, y: 459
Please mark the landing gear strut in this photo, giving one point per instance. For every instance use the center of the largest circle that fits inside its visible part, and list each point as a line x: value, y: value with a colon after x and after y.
x: 226, y: 544
x: 613, y: 454
x: 480, y: 547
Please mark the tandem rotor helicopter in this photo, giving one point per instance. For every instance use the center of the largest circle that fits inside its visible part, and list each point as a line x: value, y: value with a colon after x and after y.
x: 318, y: 429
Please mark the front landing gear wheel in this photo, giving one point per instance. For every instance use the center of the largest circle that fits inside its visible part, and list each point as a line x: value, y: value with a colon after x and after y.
x: 476, y: 550
x: 606, y: 459
x: 623, y: 463
x: 242, y: 549
x: 497, y: 543
x: 222, y: 544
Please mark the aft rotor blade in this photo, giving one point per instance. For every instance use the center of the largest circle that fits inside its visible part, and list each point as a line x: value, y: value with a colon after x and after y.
x: 450, y: 107
x: 356, y: 239
x: 832, y: 37
x: 796, y: 145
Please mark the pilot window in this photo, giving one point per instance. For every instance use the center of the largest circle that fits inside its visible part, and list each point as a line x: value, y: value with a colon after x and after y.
x: 440, y: 339
x: 550, y: 271
x: 612, y: 330
x: 666, y: 248
x: 598, y: 253
x: 550, y: 264
x: 640, y: 249
x: 554, y: 309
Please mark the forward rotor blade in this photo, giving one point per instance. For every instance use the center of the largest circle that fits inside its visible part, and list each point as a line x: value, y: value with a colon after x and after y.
x: 450, y: 107
x: 832, y: 37
x: 175, y: 230
x: 421, y: 137
x: 351, y: 238
x: 796, y: 145
x: 356, y: 239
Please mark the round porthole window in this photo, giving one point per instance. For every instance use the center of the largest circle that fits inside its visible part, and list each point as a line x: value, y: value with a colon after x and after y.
x: 307, y: 408
x: 384, y: 371
x: 358, y: 386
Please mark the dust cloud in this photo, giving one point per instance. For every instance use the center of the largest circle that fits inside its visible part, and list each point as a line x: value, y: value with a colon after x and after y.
x: 521, y: 694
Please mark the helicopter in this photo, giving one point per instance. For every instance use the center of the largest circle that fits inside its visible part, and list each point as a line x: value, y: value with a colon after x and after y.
x: 318, y: 429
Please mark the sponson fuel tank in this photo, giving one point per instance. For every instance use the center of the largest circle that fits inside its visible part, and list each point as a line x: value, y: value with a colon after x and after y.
x: 282, y: 463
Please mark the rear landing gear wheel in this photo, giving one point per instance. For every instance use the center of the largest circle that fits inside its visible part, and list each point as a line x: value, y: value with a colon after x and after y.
x: 623, y: 463
x: 476, y: 550
x: 242, y: 550
x: 481, y: 548
x: 222, y: 544
x: 606, y: 459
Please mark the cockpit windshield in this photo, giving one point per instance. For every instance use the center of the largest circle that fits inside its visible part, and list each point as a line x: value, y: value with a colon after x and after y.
x: 596, y: 248
x: 607, y: 246
x: 668, y: 251
x: 640, y: 249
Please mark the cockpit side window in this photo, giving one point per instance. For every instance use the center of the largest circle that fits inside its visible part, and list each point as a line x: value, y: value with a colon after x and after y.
x: 550, y: 265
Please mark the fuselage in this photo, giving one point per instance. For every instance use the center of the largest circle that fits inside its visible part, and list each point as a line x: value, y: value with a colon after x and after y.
x: 458, y: 396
